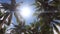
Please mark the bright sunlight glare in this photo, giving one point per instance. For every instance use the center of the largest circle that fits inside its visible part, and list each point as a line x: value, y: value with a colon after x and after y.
x: 25, y: 12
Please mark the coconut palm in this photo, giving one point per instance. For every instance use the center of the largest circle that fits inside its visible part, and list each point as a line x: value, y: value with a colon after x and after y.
x: 18, y: 29
x: 35, y: 28
x: 26, y: 29
x: 10, y: 9
x: 48, y: 12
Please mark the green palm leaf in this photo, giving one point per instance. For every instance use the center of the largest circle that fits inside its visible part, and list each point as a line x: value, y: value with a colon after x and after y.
x: 57, y: 23
x: 9, y: 19
x: 5, y: 16
x: 55, y: 28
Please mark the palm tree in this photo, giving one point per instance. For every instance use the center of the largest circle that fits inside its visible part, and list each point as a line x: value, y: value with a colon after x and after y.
x: 26, y: 29
x: 48, y: 12
x: 35, y: 27
x: 10, y: 8
x: 2, y: 30
x: 18, y: 29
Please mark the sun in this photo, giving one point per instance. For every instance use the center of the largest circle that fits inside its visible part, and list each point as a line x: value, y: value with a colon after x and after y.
x: 25, y: 11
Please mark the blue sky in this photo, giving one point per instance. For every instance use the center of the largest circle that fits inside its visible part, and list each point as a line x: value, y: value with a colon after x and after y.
x: 28, y: 2
x: 5, y: 1
x: 25, y: 2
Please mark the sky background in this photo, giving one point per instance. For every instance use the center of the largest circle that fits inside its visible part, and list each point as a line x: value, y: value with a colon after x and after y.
x: 25, y: 3
x: 28, y: 3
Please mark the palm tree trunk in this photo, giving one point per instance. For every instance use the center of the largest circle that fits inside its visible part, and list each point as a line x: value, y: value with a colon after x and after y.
x: 13, y: 4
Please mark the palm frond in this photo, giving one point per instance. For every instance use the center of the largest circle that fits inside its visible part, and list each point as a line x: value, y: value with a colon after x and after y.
x: 6, y: 6
x: 18, y: 18
x: 1, y: 15
x: 55, y: 28
x: 57, y: 23
x: 5, y: 16
x: 9, y: 19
